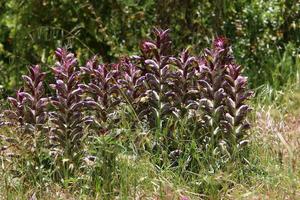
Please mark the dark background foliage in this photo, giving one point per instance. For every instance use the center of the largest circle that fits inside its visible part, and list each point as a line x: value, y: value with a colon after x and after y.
x: 262, y: 32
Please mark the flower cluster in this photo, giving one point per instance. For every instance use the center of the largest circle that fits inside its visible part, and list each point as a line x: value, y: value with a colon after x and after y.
x: 158, y: 86
x: 29, y: 108
x: 67, y: 120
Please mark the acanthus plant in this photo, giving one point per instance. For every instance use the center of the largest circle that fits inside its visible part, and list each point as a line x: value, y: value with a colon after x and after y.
x: 29, y: 106
x: 185, y: 82
x: 102, y: 90
x: 16, y: 115
x: 155, y: 84
x: 235, y: 123
x: 154, y: 63
x: 29, y: 111
x: 184, y: 86
x: 212, y: 70
x: 67, y: 119
x: 131, y: 83
x: 224, y: 92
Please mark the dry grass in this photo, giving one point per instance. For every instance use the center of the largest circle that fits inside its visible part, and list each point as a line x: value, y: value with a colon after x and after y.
x: 277, y: 134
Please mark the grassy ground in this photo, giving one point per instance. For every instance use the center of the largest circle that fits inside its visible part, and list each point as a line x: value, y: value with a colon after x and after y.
x: 270, y: 168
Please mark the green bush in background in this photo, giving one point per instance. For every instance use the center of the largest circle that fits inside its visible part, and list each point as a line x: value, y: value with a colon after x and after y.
x: 265, y: 33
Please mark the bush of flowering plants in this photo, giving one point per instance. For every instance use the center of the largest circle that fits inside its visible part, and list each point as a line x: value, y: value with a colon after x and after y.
x: 131, y: 83
x: 222, y: 98
x: 157, y: 76
x: 212, y: 69
x: 28, y: 113
x: 24, y: 141
x: 185, y: 83
x: 102, y: 91
x: 158, y: 86
x: 67, y: 118
x: 235, y: 123
x: 28, y: 109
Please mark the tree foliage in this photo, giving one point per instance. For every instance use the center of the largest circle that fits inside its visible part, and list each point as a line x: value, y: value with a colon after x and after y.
x: 110, y: 28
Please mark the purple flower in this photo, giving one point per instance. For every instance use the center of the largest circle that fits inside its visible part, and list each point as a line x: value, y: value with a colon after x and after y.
x: 221, y: 43
x: 29, y: 106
